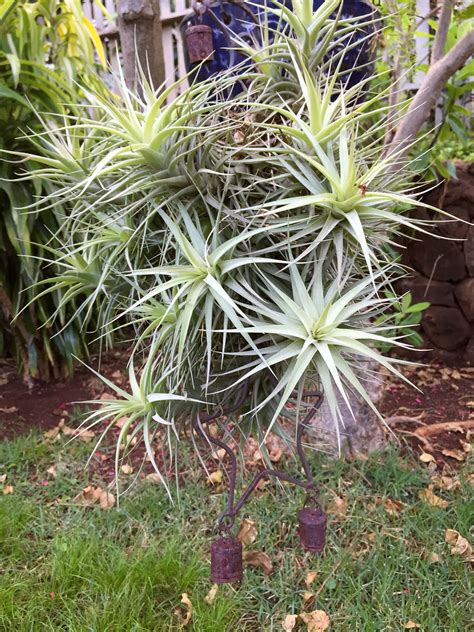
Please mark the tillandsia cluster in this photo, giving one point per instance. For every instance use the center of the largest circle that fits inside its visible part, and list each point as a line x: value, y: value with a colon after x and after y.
x: 245, y: 239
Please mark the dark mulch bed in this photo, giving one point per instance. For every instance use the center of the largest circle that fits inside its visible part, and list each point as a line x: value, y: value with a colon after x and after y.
x: 446, y: 395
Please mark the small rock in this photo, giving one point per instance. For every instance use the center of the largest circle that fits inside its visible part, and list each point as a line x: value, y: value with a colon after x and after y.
x: 446, y: 327
x: 438, y: 259
x: 424, y: 289
x: 465, y: 296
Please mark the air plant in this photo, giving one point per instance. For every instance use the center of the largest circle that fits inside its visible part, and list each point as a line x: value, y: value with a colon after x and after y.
x: 245, y: 239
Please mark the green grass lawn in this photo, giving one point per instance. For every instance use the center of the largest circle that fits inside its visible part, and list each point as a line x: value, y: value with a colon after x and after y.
x: 73, y: 568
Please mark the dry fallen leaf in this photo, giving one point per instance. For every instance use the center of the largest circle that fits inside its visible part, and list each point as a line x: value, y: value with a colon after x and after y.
x: 211, y: 595
x: 219, y: 454
x: 337, y: 506
x: 459, y: 545
x: 215, y: 478
x: 259, y: 559
x: 308, y: 598
x: 52, y: 471
x: 316, y: 621
x: 275, y: 446
x: 8, y: 489
x: 289, y: 622
x: 426, y: 457
x: 411, y: 625
x: 189, y: 608
x: 247, y: 532
x: 3, y: 478
x: 433, y: 558
x: 91, y: 495
x: 459, y: 455
x: 428, y: 496
x: 106, y: 500
x: 445, y: 482
x: 8, y: 409
x: 120, y: 423
x: 50, y: 435
x: 252, y: 454
x: 154, y: 478
x: 85, y: 435
x: 127, y: 469
x: 393, y: 507
x: 310, y: 577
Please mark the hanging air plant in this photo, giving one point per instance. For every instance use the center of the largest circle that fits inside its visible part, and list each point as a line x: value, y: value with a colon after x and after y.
x: 246, y: 239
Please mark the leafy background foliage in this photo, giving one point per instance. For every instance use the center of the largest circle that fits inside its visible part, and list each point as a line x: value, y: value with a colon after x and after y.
x: 46, y: 47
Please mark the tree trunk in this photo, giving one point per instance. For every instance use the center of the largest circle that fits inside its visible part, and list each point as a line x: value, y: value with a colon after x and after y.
x: 141, y: 40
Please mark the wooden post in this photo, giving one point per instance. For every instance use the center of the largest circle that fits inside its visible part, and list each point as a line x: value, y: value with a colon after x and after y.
x: 141, y: 41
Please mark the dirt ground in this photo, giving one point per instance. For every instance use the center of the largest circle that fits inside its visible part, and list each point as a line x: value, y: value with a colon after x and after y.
x: 446, y: 397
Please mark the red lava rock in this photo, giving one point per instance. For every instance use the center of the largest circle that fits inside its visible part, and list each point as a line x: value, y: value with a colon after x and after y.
x: 446, y: 327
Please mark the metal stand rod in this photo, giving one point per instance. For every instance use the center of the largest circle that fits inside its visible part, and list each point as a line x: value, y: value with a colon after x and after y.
x: 226, y: 519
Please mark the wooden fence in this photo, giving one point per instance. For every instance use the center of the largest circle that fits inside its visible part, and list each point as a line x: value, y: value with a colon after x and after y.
x: 172, y: 13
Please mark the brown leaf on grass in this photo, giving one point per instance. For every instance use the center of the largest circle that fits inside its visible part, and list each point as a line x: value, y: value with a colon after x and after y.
x: 126, y: 468
x: 459, y: 545
x: 411, y: 625
x: 215, y: 477
x: 426, y: 457
x: 219, y: 454
x: 3, y: 478
x: 289, y: 622
x: 316, y: 621
x: 433, y: 558
x: 308, y: 598
x: 310, y: 577
x: 52, y: 434
x: 459, y: 455
x: 337, y: 506
x: 211, y: 595
x: 275, y: 446
x: 252, y: 454
x: 52, y: 471
x: 8, y: 489
x: 85, y: 435
x: 153, y: 478
x: 106, y: 500
x: 186, y: 601
x: 66, y: 430
x: 259, y: 559
x: 428, y: 496
x: 91, y: 495
x: 445, y: 482
x: 393, y: 507
x: 247, y: 532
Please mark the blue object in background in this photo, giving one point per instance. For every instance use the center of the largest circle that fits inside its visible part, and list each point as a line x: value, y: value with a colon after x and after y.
x: 243, y: 19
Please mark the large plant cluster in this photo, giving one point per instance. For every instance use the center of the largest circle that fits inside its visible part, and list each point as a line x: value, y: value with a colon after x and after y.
x: 247, y: 240
x: 45, y: 47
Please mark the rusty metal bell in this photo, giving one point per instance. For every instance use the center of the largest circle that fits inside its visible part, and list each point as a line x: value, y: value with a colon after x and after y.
x: 226, y: 561
x: 199, y: 43
x: 312, y: 528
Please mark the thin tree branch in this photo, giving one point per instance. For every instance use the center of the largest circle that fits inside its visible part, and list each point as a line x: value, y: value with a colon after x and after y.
x: 430, y: 90
x: 444, y: 21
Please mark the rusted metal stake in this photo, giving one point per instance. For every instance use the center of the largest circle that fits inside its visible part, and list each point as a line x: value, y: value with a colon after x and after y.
x: 226, y: 552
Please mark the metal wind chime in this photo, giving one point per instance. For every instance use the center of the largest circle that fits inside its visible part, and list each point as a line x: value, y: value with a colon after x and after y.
x: 226, y: 551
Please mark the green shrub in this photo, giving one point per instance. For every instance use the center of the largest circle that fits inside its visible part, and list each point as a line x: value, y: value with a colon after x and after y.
x: 45, y: 48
